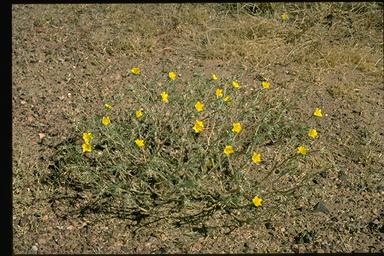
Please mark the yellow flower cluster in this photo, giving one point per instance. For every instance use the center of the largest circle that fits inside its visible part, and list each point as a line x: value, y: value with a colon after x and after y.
x: 138, y: 114
x: 86, y: 146
x: 107, y: 106
x: 172, y: 75
x: 235, y: 84
x: 265, y: 84
x: 198, y: 127
x: 199, y: 106
x: 164, y: 97
x: 87, y: 136
x: 228, y: 150
x: 257, y: 201
x: 317, y: 112
x: 256, y: 158
x: 105, y: 120
x: 135, y: 71
x: 312, y: 133
x: 236, y: 127
x: 302, y: 150
x: 139, y: 143
x: 219, y: 92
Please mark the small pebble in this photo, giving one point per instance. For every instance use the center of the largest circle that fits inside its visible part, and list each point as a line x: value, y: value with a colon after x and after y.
x: 298, y: 248
x: 342, y: 176
x: 323, y: 174
x: 320, y: 207
x: 34, y: 249
x: 268, y: 225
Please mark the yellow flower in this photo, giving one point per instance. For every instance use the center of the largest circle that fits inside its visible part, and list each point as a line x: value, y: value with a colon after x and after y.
x: 138, y: 113
x: 228, y: 150
x: 87, y: 136
x: 199, y: 106
x: 284, y: 16
x: 172, y: 75
x: 219, y: 92
x: 107, y: 106
x: 302, y: 150
x: 226, y: 98
x: 105, y: 120
x: 317, y: 112
x: 86, y: 147
x: 257, y: 201
x: 135, y: 71
x: 164, y: 97
x: 139, y: 143
x: 235, y: 84
x: 265, y: 84
x: 256, y: 158
x: 213, y: 77
x: 236, y: 127
x: 312, y: 133
x: 198, y: 127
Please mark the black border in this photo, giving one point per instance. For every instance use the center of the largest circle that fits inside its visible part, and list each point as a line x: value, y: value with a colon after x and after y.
x: 6, y: 233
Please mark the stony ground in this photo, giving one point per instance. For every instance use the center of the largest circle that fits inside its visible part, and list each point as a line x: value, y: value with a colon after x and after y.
x: 67, y: 59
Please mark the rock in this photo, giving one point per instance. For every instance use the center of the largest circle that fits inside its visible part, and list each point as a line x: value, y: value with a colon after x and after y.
x: 33, y: 249
x: 41, y: 136
x: 342, y: 176
x: 268, y: 225
x: 327, y: 246
x: 320, y: 207
x: 298, y: 248
x: 295, y: 248
x: 374, y: 225
x: 324, y: 174
x: 304, y: 237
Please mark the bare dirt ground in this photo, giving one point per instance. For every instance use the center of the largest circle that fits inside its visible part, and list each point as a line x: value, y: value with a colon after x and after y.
x: 67, y: 59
